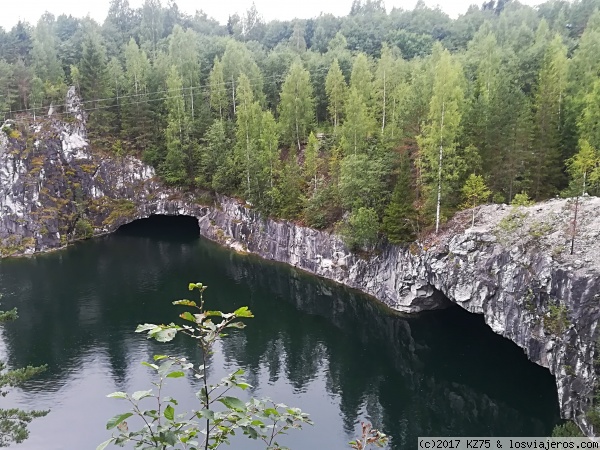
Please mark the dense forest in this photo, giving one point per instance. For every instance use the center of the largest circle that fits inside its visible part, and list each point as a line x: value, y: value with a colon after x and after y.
x: 376, y: 124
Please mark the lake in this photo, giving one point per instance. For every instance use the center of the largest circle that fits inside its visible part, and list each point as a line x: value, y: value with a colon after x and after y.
x: 334, y: 352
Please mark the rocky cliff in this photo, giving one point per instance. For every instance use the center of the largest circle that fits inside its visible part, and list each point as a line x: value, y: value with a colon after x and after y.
x: 514, y: 267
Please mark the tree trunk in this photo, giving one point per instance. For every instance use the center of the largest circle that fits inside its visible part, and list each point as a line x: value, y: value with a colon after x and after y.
x: 384, y: 106
x: 297, y: 125
x: 441, y: 156
x: 233, y: 93
x: 192, y: 97
x: 574, y: 230
x: 248, y: 155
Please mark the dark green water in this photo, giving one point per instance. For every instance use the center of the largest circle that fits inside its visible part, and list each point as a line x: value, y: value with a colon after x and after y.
x: 313, y: 344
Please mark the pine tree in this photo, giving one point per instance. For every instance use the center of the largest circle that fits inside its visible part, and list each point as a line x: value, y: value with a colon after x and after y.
x: 485, y: 120
x: 584, y: 165
x: 548, y: 119
x: 287, y: 195
x: 95, y: 84
x: 296, y: 108
x: 212, y: 153
x: 8, y: 93
x: 589, y: 123
x: 93, y: 70
x: 116, y: 79
x: 45, y: 52
x: 269, y: 156
x: 474, y: 193
x: 335, y: 87
x: 311, y: 163
x: 514, y: 161
x: 176, y: 133
x: 136, y: 113
x: 400, y: 216
x: 117, y: 26
x: 585, y: 66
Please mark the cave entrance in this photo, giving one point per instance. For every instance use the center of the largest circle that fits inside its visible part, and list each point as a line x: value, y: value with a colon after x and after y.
x: 463, y: 349
x: 163, y: 227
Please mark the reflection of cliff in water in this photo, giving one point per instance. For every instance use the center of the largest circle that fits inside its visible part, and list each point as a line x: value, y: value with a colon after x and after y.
x: 447, y: 368
x: 444, y: 373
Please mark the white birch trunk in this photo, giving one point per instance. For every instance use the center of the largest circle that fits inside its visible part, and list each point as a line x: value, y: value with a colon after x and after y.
x: 441, y: 156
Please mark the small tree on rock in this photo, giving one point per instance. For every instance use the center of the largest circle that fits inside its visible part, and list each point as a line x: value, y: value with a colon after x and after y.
x: 475, y: 192
x: 360, y: 231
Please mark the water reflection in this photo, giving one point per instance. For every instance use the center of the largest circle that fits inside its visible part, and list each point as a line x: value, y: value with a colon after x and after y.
x: 327, y: 349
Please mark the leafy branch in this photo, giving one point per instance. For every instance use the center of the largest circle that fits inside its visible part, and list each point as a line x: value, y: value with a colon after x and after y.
x: 220, y: 414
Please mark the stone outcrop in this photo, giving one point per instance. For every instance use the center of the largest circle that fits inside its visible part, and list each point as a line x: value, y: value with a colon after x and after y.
x: 514, y: 267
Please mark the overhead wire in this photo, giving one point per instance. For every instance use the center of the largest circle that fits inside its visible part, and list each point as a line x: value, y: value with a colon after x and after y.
x: 204, y: 87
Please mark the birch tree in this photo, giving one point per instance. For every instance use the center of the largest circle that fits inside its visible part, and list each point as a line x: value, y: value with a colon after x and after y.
x: 247, y: 130
x: 335, y: 87
x: 439, y: 140
x: 296, y: 108
x: 218, y: 93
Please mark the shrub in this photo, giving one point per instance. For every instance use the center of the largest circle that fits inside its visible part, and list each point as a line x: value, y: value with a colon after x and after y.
x: 219, y: 413
x: 567, y: 429
x: 361, y: 229
x: 522, y: 199
x: 83, y: 229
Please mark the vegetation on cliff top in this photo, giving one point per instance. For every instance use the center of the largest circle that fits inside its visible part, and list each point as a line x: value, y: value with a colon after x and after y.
x: 382, y: 115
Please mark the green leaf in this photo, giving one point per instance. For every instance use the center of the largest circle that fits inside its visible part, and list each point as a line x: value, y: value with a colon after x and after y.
x: 116, y: 420
x: 233, y: 403
x: 184, y: 303
x: 169, y: 413
x: 252, y: 433
x: 170, y: 438
x: 239, y: 325
x: 188, y: 316
x: 213, y: 314
x: 165, y: 367
x: 201, y: 394
x: 117, y: 395
x: 177, y: 374
x: 147, y: 364
x: 141, y: 394
x: 145, y: 327
x: 165, y: 335
x: 243, y: 386
x: 206, y: 414
x: 159, y: 357
x: 168, y: 399
x: 243, y: 312
x: 104, y: 444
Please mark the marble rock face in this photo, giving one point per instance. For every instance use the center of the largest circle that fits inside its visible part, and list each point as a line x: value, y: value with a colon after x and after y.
x: 514, y: 267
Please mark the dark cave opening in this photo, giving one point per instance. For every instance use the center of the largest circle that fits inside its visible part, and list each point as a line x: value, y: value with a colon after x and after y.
x: 163, y: 227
